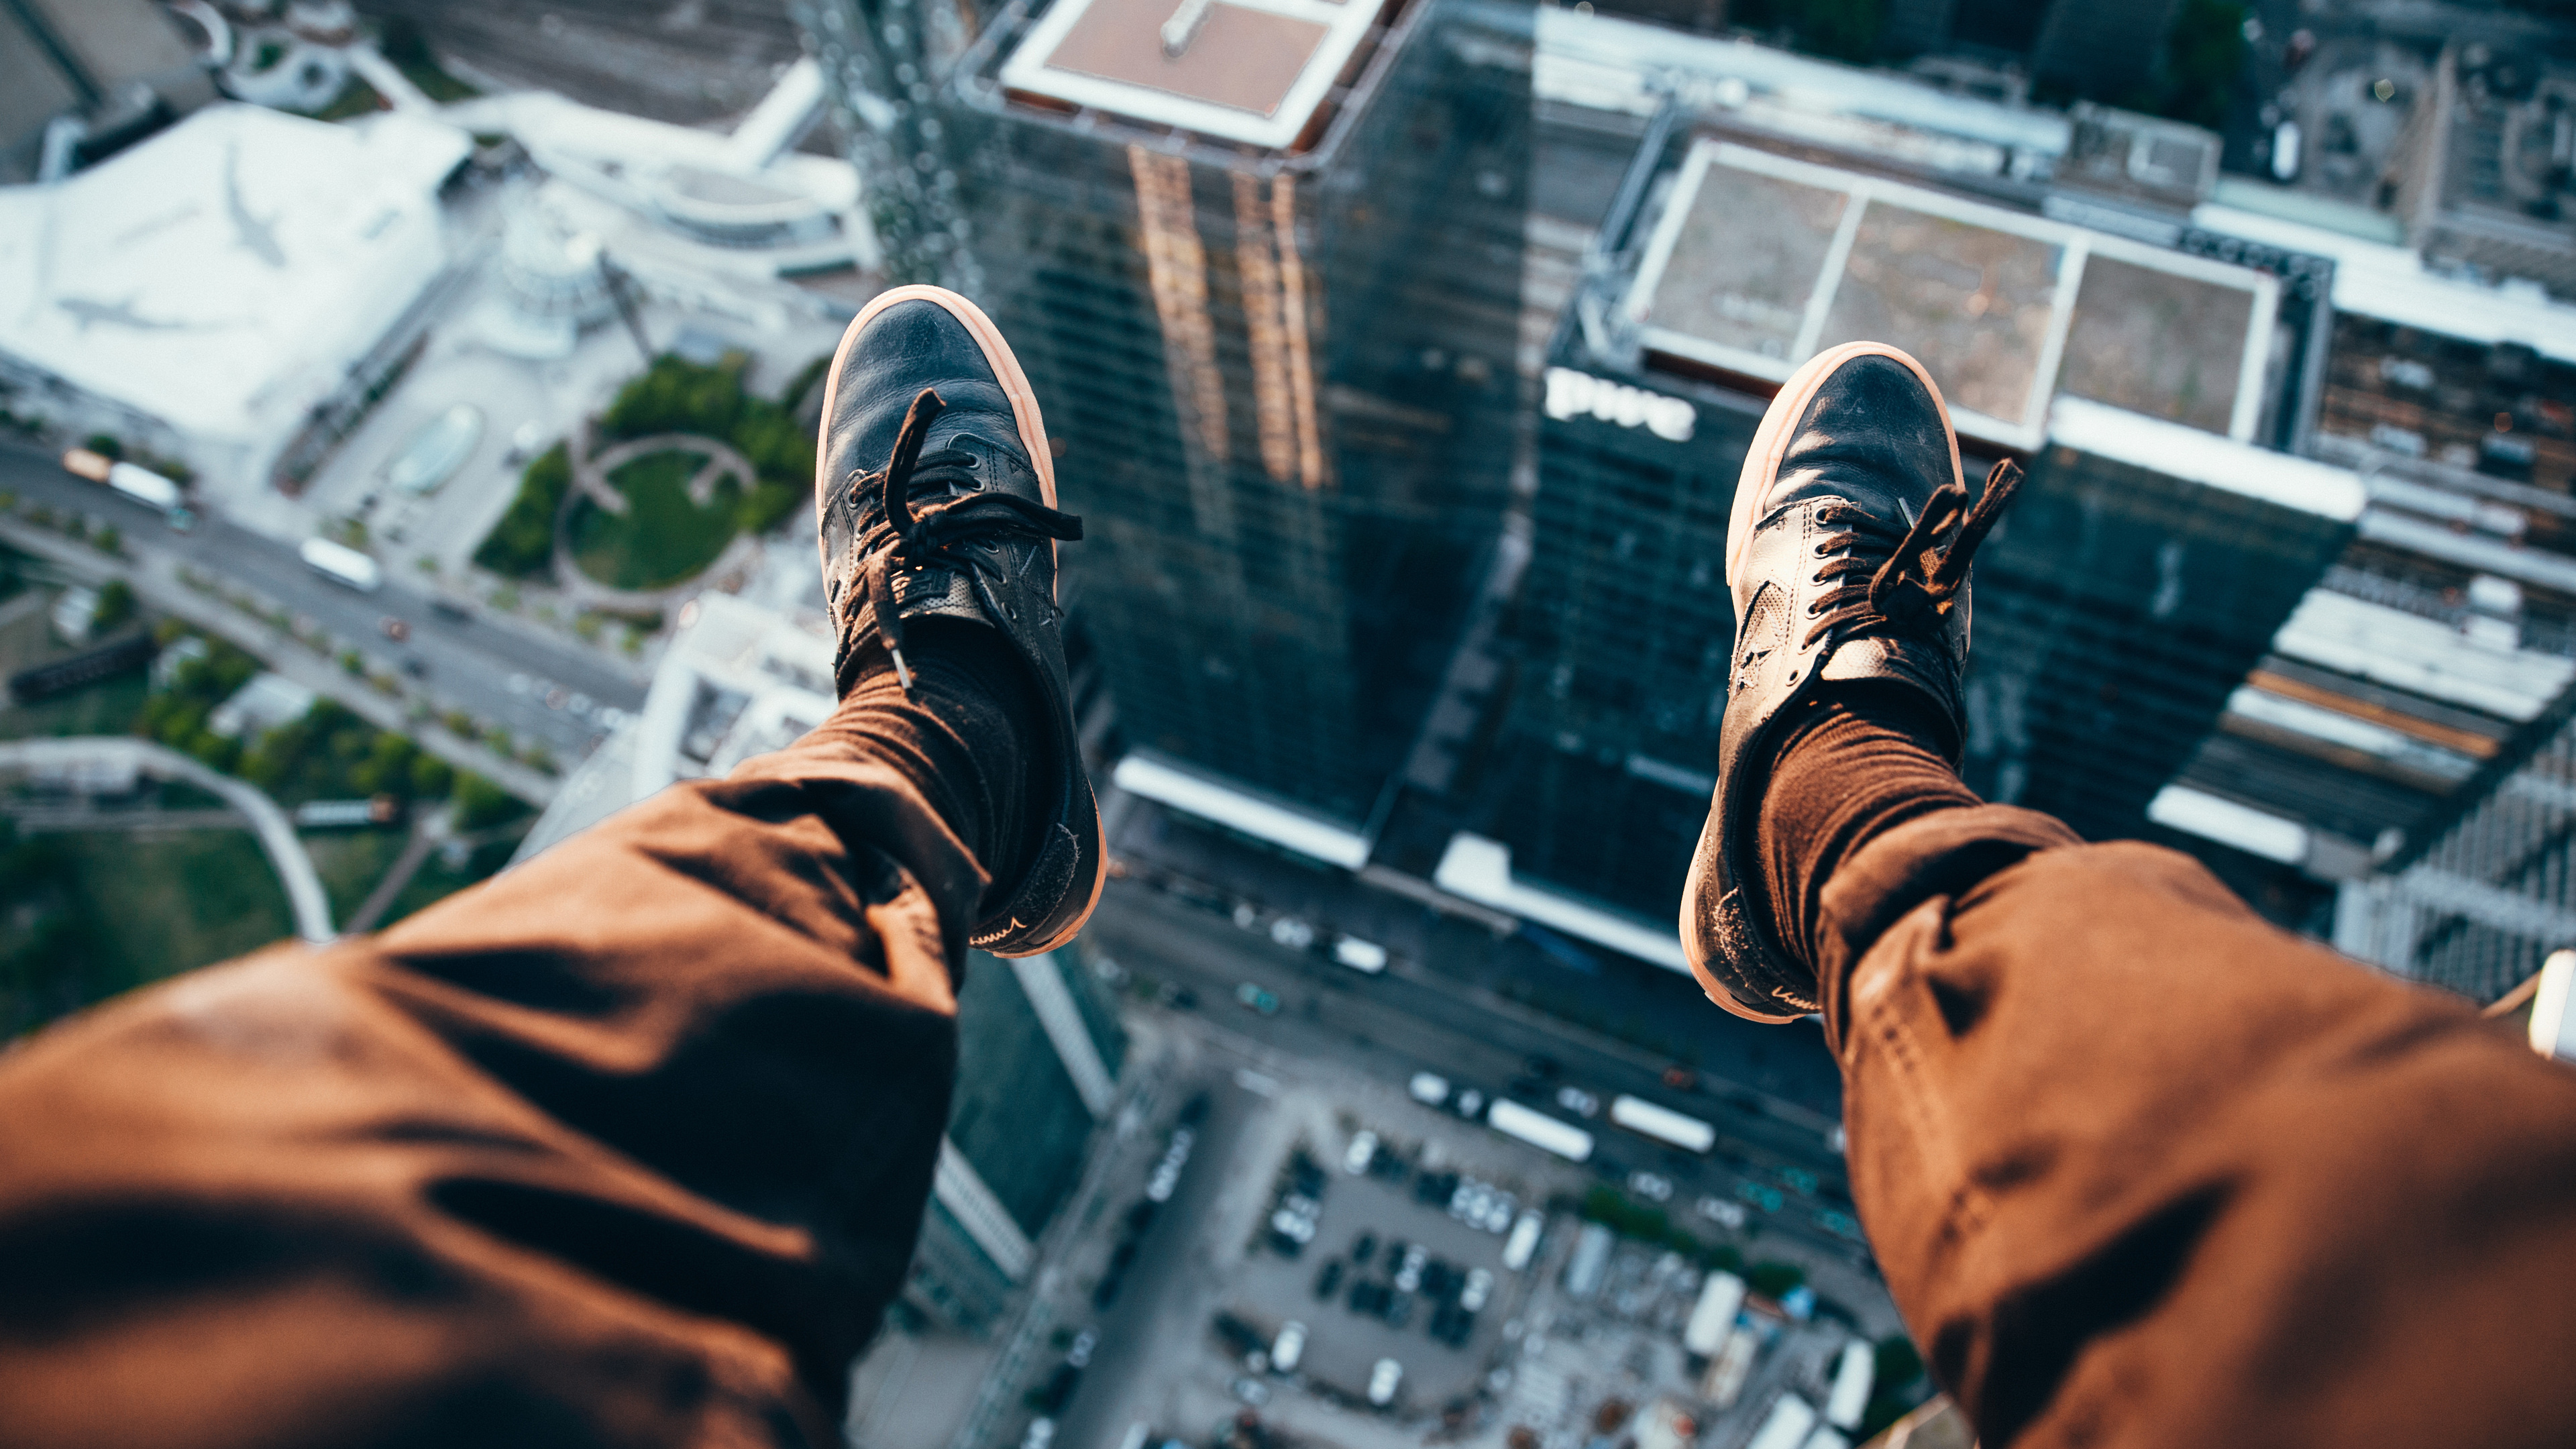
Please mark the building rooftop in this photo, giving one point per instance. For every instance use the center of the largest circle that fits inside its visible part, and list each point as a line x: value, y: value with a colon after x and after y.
x: 1760, y: 261
x: 224, y: 275
x: 1256, y: 71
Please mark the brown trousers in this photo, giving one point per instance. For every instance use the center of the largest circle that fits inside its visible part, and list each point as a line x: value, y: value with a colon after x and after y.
x: 629, y: 1147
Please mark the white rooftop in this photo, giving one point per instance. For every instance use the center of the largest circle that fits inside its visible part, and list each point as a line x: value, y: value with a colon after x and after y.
x: 1480, y: 870
x: 224, y: 275
x: 2375, y: 279
x: 2181, y: 452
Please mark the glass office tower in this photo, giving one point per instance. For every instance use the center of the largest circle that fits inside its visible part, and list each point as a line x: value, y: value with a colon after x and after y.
x: 1262, y: 261
x: 2154, y: 551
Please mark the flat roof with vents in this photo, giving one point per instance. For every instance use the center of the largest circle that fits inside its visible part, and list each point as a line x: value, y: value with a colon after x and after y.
x: 1758, y: 262
x: 1256, y: 71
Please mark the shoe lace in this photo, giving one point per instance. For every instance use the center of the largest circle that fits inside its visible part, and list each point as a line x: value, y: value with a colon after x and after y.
x: 1909, y: 580
x: 964, y: 530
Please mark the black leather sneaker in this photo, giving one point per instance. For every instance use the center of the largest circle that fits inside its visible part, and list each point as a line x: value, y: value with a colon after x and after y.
x: 936, y: 496
x: 1847, y: 553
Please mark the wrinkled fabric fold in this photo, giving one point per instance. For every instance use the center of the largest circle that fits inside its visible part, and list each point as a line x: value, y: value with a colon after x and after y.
x: 627, y: 1146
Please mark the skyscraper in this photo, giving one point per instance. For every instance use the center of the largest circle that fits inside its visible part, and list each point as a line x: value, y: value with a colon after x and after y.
x: 2154, y: 551
x: 1262, y: 263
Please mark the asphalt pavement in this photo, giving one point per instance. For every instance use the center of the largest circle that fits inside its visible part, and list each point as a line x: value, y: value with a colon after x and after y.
x: 496, y: 670
x: 1407, y: 1020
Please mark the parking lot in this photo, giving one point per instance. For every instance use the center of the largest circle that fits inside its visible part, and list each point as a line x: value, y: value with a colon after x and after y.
x: 1398, y: 1264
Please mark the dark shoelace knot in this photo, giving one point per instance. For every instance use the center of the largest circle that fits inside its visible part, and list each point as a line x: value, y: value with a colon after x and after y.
x: 1909, y: 580
x: 965, y: 530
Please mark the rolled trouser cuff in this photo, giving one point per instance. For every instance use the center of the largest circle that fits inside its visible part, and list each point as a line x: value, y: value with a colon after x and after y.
x: 1939, y: 854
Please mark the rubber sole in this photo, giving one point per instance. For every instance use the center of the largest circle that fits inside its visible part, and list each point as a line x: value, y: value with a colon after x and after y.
x: 1033, y: 440
x: 1780, y: 424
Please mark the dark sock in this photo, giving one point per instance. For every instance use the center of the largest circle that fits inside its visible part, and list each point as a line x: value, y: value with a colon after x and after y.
x: 1860, y: 760
x: 962, y: 736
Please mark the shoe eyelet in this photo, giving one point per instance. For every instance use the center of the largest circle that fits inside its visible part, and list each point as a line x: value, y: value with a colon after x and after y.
x: 973, y: 462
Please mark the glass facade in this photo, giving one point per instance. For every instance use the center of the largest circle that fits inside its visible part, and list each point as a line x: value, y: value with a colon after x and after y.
x: 2156, y: 547
x: 1282, y: 384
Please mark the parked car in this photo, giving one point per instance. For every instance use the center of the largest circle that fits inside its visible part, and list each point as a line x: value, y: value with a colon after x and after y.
x: 1383, y: 1381
x: 1578, y: 1101
x: 1257, y: 999
x: 1329, y: 1280
x: 1651, y: 1187
x: 1252, y: 1391
x: 1363, y: 1250
x: 1292, y: 933
x: 1408, y: 1277
x: 1363, y: 1149
x: 1288, y: 1347
x: 1477, y: 1291
x: 1470, y: 1104
x: 1429, y: 1088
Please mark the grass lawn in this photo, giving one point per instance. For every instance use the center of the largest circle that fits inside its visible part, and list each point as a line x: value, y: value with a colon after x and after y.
x: 350, y: 863
x: 664, y: 538
x: 108, y: 707
x: 119, y: 909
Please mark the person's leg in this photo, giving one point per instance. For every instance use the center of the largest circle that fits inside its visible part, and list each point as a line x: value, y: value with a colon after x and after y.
x: 2143, y: 1169
x: 629, y: 1145
x: 2140, y: 1168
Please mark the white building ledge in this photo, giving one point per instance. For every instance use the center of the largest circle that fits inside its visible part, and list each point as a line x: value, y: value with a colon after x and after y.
x: 2256, y: 832
x: 1480, y: 870
x: 1228, y: 806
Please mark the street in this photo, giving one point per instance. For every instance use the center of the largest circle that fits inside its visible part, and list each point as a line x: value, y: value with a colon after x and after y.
x: 493, y: 669
x: 1391, y: 1026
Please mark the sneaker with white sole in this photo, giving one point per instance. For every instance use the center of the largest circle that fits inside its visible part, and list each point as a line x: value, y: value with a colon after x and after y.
x: 1847, y: 554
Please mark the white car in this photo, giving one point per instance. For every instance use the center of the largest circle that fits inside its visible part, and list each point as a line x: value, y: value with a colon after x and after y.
x: 1294, y: 1226
x: 1578, y: 1101
x: 1471, y: 1104
x: 1288, y: 1347
x: 1366, y: 957
x: 1383, y: 1380
x: 1363, y: 1151
x: 1408, y: 1278
x: 1649, y: 1186
x: 1041, y: 1434
x: 1252, y: 1391
x: 1721, y: 1212
x: 1292, y: 933
x: 1429, y: 1088
x: 1478, y: 1291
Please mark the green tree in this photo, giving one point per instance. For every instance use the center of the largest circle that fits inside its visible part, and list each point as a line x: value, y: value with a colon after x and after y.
x: 1772, y: 1278
x: 2204, y: 53
x: 431, y: 776
x: 523, y: 542
x: 115, y: 605
x: 481, y: 804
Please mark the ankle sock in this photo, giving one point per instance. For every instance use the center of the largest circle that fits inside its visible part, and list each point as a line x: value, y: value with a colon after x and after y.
x: 963, y: 736
x: 1859, y: 760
